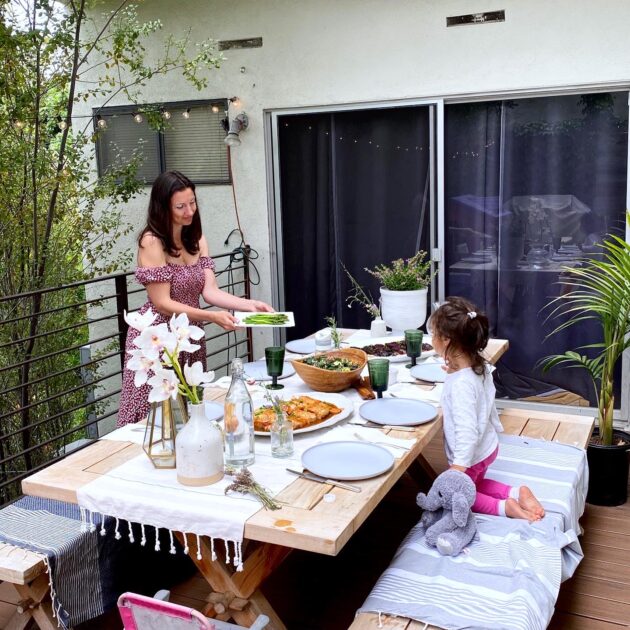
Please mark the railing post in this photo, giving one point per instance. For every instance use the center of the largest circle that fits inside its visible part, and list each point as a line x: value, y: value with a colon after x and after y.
x: 122, y: 305
x: 250, y: 342
x: 85, y: 352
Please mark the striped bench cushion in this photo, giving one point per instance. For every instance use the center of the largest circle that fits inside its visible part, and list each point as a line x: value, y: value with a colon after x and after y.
x: 510, y: 577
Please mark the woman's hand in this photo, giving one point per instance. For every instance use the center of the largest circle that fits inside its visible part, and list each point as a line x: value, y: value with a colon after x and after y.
x: 261, y: 307
x: 226, y: 320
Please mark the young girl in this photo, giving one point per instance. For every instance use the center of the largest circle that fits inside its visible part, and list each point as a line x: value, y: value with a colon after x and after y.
x: 471, y: 421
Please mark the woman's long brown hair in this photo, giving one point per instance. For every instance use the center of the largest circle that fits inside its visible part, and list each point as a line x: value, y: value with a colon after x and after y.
x: 159, y: 220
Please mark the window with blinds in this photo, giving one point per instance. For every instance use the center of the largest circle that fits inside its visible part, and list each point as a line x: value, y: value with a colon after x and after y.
x: 191, y: 142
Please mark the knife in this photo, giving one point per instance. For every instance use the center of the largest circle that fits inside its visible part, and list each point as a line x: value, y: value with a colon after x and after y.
x: 332, y: 482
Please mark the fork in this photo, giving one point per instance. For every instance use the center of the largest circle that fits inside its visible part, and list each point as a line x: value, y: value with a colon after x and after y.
x: 376, y: 425
x: 364, y: 439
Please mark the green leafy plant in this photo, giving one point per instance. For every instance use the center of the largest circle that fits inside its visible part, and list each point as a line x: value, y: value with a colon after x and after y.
x: 335, y: 335
x: 359, y: 296
x: 601, y: 292
x: 402, y: 274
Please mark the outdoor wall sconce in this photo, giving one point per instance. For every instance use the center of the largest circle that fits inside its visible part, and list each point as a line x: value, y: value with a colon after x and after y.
x: 236, y: 125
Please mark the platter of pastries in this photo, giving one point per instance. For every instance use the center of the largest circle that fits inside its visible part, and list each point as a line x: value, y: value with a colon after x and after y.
x: 308, y: 411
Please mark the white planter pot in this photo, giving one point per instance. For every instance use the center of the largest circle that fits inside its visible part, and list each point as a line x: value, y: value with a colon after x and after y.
x: 403, y: 310
x: 199, y: 450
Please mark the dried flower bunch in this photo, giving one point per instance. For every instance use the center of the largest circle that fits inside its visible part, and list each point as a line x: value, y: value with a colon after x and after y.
x: 359, y: 296
x: 275, y: 402
x: 245, y: 483
x: 155, y: 360
x: 402, y: 274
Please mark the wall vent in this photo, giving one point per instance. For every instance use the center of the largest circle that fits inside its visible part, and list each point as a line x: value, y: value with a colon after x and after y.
x: 476, y: 18
x: 231, y: 44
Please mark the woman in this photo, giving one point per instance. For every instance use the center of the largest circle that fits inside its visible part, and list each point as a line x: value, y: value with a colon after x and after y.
x: 174, y: 266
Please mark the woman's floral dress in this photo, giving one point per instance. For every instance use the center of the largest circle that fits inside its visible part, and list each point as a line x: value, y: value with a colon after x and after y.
x: 187, y: 282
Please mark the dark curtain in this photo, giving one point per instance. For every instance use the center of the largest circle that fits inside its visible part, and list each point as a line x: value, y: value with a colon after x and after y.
x: 355, y: 190
x: 557, y: 168
x: 307, y: 221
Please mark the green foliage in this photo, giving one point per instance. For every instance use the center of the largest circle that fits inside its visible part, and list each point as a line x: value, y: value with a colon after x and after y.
x: 335, y: 335
x: 404, y: 275
x: 601, y: 292
x: 57, y: 219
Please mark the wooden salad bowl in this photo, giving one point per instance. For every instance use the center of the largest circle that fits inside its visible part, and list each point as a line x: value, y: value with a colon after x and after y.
x: 322, y: 380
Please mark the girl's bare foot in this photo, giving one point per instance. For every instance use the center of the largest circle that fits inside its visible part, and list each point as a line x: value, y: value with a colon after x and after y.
x: 514, y: 510
x: 529, y: 502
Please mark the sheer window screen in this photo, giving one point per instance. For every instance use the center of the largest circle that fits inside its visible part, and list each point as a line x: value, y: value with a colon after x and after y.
x: 192, y: 145
x: 122, y: 136
x: 195, y: 145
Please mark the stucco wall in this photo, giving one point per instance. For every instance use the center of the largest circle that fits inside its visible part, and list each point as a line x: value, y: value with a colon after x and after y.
x: 323, y: 52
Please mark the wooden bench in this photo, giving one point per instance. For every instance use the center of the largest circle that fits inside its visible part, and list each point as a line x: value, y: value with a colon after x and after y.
x: 24, y: 590
x: 564, y: 428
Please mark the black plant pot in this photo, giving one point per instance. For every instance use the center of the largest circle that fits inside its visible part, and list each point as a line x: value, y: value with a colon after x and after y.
x: 608, y: 471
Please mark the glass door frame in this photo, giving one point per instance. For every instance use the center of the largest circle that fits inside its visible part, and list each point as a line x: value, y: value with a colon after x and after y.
x: 437, y: 205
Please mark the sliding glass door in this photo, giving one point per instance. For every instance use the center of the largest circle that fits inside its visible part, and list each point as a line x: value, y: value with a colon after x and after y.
x: 355, y: 191
x: 532, y: 186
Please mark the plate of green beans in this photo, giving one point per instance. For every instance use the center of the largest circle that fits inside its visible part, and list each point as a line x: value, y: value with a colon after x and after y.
x: 281, y: 319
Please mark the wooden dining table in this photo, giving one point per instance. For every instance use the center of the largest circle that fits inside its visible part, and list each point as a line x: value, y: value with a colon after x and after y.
x: 305, y: 521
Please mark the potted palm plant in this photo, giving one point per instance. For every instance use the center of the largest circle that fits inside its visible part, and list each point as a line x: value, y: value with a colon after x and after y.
x: 600, y: 290
x: 404, y: 285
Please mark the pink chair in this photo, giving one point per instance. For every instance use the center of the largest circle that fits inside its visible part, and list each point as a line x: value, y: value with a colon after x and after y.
x: 139, y: 612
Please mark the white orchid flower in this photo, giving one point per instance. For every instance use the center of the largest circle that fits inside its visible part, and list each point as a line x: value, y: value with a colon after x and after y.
x: 140, y: 321
x: 154, y: 339
x: 184, y: 330
x: 164, y: 384
x: 141, y: 365
x: 186, y: 346
x: 196, y: 376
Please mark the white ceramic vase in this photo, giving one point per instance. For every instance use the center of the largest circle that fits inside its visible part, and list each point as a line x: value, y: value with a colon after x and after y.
x: 403, y: 310
x: 199, y: 450
x: 378, y: 328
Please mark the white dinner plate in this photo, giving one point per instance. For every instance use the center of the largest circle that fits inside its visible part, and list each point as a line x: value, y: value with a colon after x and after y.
x: 258, y: 370
x: 396, y: 358
x: 241, y: 315
x: 430, y: 372
x: 345, y: 404
x: 347, y: 460
x: 301, y: 346
x: 398, y: 411
x: 214, y: 411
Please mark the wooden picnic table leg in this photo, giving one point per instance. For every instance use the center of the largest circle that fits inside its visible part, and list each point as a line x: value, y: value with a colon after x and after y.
x: 236, y: 586
x: 36, y: 592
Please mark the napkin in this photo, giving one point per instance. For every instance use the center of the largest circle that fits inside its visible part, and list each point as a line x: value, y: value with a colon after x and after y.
x: 416, y: 392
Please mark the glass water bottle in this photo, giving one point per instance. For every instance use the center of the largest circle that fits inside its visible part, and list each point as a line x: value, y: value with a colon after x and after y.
x: 238, y: 446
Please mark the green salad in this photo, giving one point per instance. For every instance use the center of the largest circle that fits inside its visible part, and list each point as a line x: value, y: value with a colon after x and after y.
x: 335, y: 364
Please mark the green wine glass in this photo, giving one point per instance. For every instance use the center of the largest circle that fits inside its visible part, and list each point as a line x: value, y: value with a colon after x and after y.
x: 413, y: 341
x: 378, y: 370
x: 274, y: 357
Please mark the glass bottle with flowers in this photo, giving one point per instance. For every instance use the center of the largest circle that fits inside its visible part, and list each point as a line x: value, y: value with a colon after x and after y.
x: 281, y: 431
x: 359, y: 296
x: 199, y: 445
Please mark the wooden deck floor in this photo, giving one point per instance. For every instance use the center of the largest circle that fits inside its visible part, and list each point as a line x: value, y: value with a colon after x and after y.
x: 327, y: 591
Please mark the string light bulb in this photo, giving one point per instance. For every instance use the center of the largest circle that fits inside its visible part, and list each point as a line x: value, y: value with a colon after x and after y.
x: 63, y: 125
x: 186, y: 113
x: 101, y: 122
x: 137, y: 117
x: 235, y: 100
x: 19, y: 124
x: 215, y: 108
x: 166, y: 114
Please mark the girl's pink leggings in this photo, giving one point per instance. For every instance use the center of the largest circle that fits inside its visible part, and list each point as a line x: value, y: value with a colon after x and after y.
x: 489, y: 492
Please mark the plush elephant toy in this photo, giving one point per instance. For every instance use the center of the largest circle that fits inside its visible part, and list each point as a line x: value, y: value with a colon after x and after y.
x: 447, y: 520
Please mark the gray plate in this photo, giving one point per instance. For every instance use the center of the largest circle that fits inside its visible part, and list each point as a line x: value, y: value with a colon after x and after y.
x: 258, y: 370
x: 398, y: 411
x: 301, y: 346
x: 347, y: 460
x: 430, y: 372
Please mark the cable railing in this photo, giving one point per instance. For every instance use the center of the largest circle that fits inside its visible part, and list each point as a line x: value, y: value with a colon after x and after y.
x: 61, y: 361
